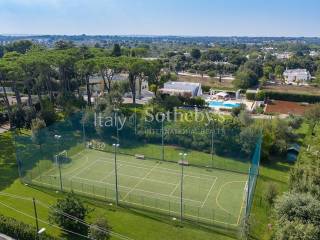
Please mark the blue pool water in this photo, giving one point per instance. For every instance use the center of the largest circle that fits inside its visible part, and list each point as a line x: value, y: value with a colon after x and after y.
x: 217, y: 104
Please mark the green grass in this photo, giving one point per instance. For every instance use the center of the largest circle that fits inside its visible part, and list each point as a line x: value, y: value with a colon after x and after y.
x: 276, y: 172
x: 7, y: 149
x: 135, y: 224
x: 210, y: 196
x: 132, y: 223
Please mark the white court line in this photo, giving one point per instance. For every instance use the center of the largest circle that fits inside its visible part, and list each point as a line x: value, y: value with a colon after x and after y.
x: 243, y: 201
x: 166, y: 210
x: 166, y: 170
x: 74, y: 170
x: 141, y: 180
x: 140, y: 190
x: 218, y: 195
x: 176, y: 187
x: 205, y: 200
x: 84, y: 169
x: 109, y: 174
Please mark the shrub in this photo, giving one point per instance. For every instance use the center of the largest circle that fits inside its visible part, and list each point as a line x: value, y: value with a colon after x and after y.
x: 19, y: 230
x: 205, y: 88
x: 271, y: 194
x: 292, y: 97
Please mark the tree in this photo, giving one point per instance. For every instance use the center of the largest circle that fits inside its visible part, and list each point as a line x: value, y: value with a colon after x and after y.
x: 297, y: 217
x: 116, y: 51
x: 267, y: 72
x: 248, y: 139
x: 69, y: 212
x: 19, y: 46
x: 1, y: 51
x: 107, y: 67
x: 212, y: 74
x: 255, y: 67
x: 278, y: 71
x: 245, y: 79
x: 63, y: 45
x: 313, y: 117
x: 195, y: 53
x: 245, y: 118
x: 38, y: 135
x: 85, y: 69
x: 99, y: 230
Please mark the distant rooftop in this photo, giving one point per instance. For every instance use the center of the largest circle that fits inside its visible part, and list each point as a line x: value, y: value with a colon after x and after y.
x: 193, y: 88
x: 295, y: 71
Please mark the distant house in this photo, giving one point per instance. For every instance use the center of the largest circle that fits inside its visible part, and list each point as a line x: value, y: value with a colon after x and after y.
x: 297, y: 76
x: 186, y: 89
x: 314, y: 54
x: 283, y: 56
x: 293, y: 152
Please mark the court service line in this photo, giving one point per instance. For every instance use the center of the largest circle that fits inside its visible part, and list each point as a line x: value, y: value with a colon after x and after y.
x: 192, y: 216
x: 110, y: 173
x: 166, y: 170
x: 141, y: 180
x: 140, y: 190
x: 208, y: 194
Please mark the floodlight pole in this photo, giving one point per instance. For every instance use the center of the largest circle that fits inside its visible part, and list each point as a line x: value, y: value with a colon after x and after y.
x: 182, y: 159
x: 116, y: 172
x: 212, y: 149
x: 58, y: 137
x: 162, y: 138
x: 116, y: 119
x: 36, y: 216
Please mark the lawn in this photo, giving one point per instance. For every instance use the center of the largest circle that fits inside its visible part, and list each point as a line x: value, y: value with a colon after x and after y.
x: 276, y: 172
x: 209, y: 195
x: 132, y: 223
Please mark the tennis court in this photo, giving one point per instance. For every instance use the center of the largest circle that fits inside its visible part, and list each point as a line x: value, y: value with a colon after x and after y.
x: 208, y: 195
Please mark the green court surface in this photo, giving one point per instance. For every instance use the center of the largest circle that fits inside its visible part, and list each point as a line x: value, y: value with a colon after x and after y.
x: 209, y: 195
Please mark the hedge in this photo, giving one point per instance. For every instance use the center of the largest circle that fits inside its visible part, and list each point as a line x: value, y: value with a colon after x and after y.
x: 18, y: 230
x: 284, y: 96
x: 251, y: 96
x: 294, y: 97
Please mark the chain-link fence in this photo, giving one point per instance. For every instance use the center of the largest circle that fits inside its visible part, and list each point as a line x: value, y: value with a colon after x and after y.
x: 203, y: 171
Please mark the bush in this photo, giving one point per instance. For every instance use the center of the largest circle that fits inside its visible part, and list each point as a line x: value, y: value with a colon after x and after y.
x: 99, y: 230
x: 19, y: 230
x: 73, y: 206
x: 292, y: 97
x: 271, y: 194
x: 205, y: 88
x: 250, y: 96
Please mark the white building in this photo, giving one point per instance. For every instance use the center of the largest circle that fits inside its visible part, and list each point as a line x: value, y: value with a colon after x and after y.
x: 186, y: 89
x: 283, y: 56
x: 314, y: 54
x: 297, y: 76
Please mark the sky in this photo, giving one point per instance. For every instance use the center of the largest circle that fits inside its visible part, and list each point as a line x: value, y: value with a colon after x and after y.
x: 162, y: 17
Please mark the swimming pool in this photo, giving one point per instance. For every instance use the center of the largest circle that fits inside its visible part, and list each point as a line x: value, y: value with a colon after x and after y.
x: 219, y: 104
